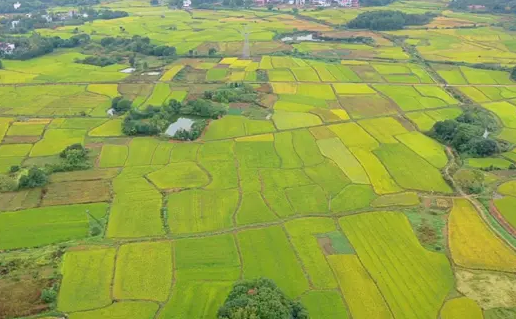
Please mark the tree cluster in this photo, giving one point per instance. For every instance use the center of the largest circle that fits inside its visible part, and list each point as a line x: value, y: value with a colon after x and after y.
x: 121, y: 105
x: 466, y: 133
x: 98, y: 60
x: 388, y: 20
x: 137, y: 44
x: 37, y: 45
x: 38, y: 20
x: 154, y: 120
x: 194, y: 133
x: 260, y: 298
x: 7, y: 6
x: 235, y: 92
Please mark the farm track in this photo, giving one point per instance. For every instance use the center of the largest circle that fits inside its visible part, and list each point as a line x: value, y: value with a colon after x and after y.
x: 472, y: 199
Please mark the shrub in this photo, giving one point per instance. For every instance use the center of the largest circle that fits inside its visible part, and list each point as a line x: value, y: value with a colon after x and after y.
x: 35, y: 177
x: 260, y: 298
x: 48, y: 295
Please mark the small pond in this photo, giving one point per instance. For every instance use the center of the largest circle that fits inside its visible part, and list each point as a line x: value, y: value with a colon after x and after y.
x: 302, y: 37
x: 182, y: 123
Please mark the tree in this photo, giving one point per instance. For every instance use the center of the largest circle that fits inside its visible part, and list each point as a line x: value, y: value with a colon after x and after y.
x: 154, y: 2
x: 260, y: 298
x: 122, y: 106
x: 270, y: 7
x: 295, y: 10
x: 1, y: 65
x: 35, y: 177
x: 212, y: 51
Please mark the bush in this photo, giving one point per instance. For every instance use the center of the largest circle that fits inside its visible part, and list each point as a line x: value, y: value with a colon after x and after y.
x: 260, y: 298
x: 48, y: 295
x: 121, y: 105
x: 35, y: 177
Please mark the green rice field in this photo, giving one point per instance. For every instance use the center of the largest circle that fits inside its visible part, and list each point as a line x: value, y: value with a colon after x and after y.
x: 323, y: 176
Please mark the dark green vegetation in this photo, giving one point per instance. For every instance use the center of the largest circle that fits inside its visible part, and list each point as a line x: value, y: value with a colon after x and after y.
x: 260, y: 298
x: 496, y: 6
x: 24, y: 23
x: 37, y: 45
x: 32, y: 5
x: 388, y: 20
x: 467, y: 133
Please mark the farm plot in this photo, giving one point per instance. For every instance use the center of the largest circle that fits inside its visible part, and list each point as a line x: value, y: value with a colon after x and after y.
x: 87, y: 276
x: 483, y: 251
x: 208, y: 258
x: 123, y: 309
x: 141, y: 151
x: 353, y: 197
x: 461, y: 308
x: 360, y: 291
x: 303, y: 237
x: 379, y: 177
x: 196, y: 299
x: 108, y: 129
x: 406, y: 167
x: 263, y: 251
x: 179, y: 175
x: 425, y: 147
x: 409, y: 98
x: 505, y: 111
x: 47, y: 225
x: 136, y: 207
x: 413, y: 281
x: 383, y: 129
x: 194, y: 211
x: 113, y: 155
x: 253, y: 210
x: 425, y: 120
x: 76, y: 192
x: 143, y: 271
x: 336, y: 151
x: 324, y: 305
x: 234, y: 126
x: 56, y: 140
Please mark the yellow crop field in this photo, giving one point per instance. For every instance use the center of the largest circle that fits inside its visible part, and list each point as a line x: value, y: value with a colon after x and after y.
x: 473, y: 244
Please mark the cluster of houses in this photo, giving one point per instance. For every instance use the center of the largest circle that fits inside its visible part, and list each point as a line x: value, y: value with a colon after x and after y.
x: 7, y: 48
x: 318, y: 3
x: 72, y: 14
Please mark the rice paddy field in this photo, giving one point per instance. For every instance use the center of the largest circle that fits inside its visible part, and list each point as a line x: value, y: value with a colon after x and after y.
x: 329, y: 185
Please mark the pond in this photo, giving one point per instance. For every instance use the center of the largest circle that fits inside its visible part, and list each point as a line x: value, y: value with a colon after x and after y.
x: 181, y: 123
x: 302, y: 37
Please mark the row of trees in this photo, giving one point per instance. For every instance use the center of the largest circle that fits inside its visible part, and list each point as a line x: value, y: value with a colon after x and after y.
x: 42, y: 19
x: 7, y: 6
x: 37, y: 45
x: 496, y: 6
x: 388, y: 20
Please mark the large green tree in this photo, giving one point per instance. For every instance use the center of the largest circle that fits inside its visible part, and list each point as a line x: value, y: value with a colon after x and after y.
x: 260, y: 299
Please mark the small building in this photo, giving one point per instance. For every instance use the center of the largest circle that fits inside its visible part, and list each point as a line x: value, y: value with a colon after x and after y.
x: 14, y: 24
x: 7, y: 48
x: 16, y: 5
x: 28, y: 15
x: 476, y: 7
x: 187, y: 3
x: 47, y: 17
x: 260, y: 2
x: 85, y: 15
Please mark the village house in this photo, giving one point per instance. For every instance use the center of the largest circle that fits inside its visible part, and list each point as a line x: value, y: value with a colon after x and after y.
x: 16, y: 5
x: 7, y: 48
x: 14, y: 24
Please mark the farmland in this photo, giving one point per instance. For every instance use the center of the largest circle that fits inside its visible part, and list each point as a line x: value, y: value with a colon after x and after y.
x: 324, y: 174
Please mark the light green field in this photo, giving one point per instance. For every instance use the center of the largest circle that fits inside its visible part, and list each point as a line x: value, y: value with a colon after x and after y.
x: 383, y: 129
x: 336, y: 151
x: 324, y: 305
x: 47, y: 225
x: 194, y: 211
x: 86, y: 280
x: 407, y: 168
x: 124, y: 309
x: 360, y: 291
x: 259, y: 260
x: 113, y: 155
x: 179, y: 175
x: 143, y: 271
x: 208, y: 258
x: 289, y: 120
x: 426, y: 276
x: 55, y: 141
x: 425, y: 147
x: 461, y: 308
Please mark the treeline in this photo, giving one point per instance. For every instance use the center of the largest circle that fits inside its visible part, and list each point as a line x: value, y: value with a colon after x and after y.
x: 7, y: 6
x: 388, y: 20
x: 42, y: 19
x: 37, y: 45
x: 375, y: 3
x: 469, y: 133
x: 495, y: 6
x: 137, y: 44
